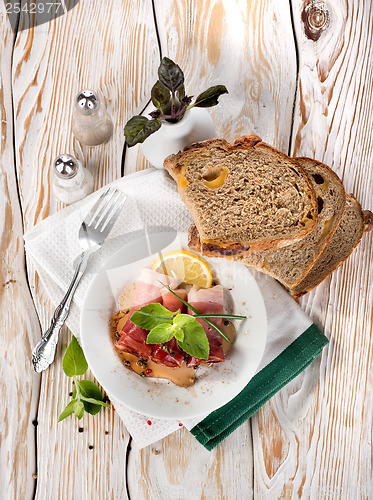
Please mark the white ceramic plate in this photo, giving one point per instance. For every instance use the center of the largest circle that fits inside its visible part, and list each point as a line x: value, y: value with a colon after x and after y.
x: 214, y: 386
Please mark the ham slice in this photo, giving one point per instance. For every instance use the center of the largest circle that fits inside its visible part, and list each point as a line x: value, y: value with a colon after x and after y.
x: 133, y: 340
x: 209, y: 301
x: 169, y: 354
x: 148, y: 287
x: 171, y: 302
x: 147, y: 291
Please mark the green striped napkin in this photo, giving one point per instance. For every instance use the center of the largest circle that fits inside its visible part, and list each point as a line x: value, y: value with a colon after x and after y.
x: 293, y: 342
x: 287, y: 365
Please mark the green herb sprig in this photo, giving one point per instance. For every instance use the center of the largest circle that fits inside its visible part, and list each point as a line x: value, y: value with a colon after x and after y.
x: 86, y: 395
x: 164, y: 324
x: 168, y: 96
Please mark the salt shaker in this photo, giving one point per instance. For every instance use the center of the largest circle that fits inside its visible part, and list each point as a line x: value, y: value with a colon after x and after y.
x: 91, y: 123
x: 71, y: 181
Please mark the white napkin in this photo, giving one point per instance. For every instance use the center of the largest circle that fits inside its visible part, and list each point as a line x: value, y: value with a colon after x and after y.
x: 152, y: 200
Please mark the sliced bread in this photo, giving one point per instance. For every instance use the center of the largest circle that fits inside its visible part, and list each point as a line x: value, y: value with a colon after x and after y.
x: 244, y: 197
x: 346, y: 237
x: 290, y: 264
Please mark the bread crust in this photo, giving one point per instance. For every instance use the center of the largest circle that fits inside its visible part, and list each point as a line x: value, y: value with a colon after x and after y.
x: 232, y: 250
x: 368, y: 220
x: 213, y: 249
x: 297, y: 294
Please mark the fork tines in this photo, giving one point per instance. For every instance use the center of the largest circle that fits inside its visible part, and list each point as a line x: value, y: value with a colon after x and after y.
x: 106, y: 210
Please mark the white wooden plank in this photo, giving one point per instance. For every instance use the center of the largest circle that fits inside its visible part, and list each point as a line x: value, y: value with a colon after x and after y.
x: 249, y: 47
x: 179, y: 467
x: 20, y: 326
x: 109, y: 46
x: 322, y: 447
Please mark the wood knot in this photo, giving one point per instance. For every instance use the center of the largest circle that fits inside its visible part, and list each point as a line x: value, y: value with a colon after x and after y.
x: 315, y: 17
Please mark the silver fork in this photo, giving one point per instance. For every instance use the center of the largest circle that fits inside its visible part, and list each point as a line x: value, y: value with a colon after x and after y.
x: 92, y: 234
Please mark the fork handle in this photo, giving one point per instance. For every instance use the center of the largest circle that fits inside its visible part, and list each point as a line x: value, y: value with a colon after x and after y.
x: 44, y: 352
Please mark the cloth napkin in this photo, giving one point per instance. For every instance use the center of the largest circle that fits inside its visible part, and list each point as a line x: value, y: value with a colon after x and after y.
x: 293, y: 342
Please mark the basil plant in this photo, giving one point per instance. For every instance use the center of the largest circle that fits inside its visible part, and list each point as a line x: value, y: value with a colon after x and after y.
x: 171, y: 102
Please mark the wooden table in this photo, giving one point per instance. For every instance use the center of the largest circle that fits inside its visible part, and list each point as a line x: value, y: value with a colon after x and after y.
x: 300, y: 75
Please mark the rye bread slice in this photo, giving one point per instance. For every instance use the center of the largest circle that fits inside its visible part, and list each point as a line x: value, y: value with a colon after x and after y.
x: 290, y: 264
x: 244, y: 197
x: 344, y: 240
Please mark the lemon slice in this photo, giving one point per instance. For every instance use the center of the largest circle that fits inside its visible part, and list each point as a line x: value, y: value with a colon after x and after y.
x: 186, y: 266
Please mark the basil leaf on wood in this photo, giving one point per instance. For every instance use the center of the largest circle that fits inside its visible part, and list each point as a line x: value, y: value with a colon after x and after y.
x: 86, y: 395
x: 160, y: 95
x: 91, y: 396
x: 138, y: 128
x: 170, y: 74
x: 69, y: 410
x: 94, y: 403
x: 210, y: 96
x: 74, y: 362
x: 79, y: 408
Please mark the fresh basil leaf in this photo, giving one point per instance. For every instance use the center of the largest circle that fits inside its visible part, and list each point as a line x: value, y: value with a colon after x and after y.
x: 160, y: 95
x: 151, y: 316
x: 160, y: 334
x: 93, y: 402
x: 91, y: 396
x: 170, y: 74
x: 182, y: 320
x: 155, y: 114
x: 178, y: 333
x: 186, y: 100
x: 74, y: 362
x: 210, y: 96
x: 79, y: 408
x: 138, y: 128
x: 180, y: 94
x: 195, y: 340
x: 69, y: 410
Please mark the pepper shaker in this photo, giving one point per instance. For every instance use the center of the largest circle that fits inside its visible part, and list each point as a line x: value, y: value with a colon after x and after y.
x: 91, y: 123
x: 71, y: 181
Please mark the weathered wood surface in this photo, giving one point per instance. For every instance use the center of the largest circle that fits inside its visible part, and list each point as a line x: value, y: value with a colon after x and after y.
x: 333, y: 121
x: 313, y: 439
x: 230, y: 43
x: 20, y: 326
x: 104, y: 46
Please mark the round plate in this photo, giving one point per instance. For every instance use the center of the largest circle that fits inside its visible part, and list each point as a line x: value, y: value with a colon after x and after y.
x: 214, y: 385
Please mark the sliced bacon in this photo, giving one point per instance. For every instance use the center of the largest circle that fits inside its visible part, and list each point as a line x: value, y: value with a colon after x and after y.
x: 148, y: 287
x: 171, y: 302
x: 169, y: 355
x: 209, y: 301
x: 192, y: 361
x: 149, y: 290
x: 133, y: 340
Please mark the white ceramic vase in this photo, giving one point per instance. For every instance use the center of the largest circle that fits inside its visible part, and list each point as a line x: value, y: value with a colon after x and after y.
x: 196, y: 125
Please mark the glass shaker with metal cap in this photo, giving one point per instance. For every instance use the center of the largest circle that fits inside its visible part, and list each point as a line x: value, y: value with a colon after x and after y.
x: 71, y: 181
x: 91, y: 123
